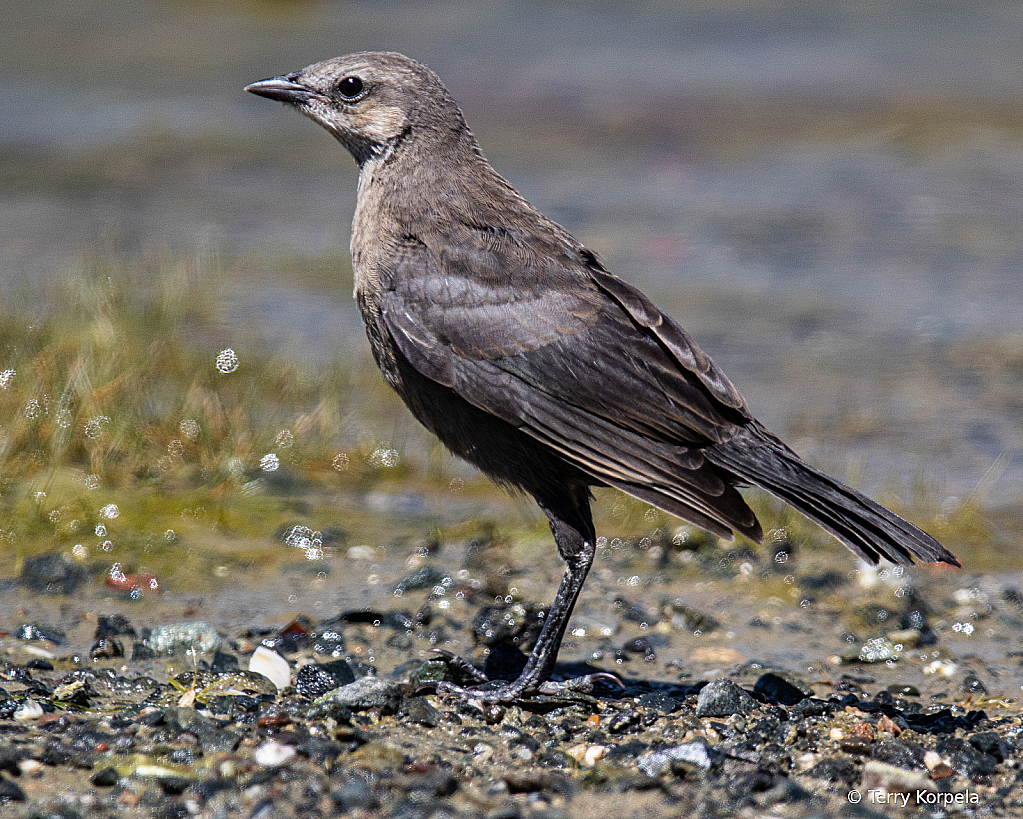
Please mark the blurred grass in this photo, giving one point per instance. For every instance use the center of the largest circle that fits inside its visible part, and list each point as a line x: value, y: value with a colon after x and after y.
x: 111, y: 394
x: 111, y: 402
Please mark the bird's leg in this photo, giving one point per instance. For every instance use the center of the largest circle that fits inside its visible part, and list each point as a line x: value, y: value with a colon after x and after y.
x: 574, y: 535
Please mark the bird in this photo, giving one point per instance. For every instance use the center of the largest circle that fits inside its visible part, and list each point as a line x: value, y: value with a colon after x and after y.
x: 511, y: 342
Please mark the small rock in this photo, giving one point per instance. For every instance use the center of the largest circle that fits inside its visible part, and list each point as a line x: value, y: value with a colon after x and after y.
x: 315, y: 680
x: 10, y: 792
x: 774, y: 688
x: 880, y: 776
x: 588, y: 755
x: 106, y: 778
x: 272, y: 666
x: 693, y: 756
x: 180, y: 637
x: 366, y: 693
x: 722, y: 698
x: 659, y: 702
x: 273, y: 754
x: 419, y: 711
x: 988, y: 742
x: 30, y: 709
x: 53, y: 573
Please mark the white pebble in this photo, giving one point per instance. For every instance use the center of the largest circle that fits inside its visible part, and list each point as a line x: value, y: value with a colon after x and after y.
x: 30, y: 709
x: 273, y: 754
x: 271, y: 665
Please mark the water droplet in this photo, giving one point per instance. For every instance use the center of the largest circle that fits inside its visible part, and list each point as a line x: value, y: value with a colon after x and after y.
x: 80, y: 551
x: 92, y: 482
x: 340, y: 462
x: 269, y: 462
x: 190, y: 429
x: 64, y: 418
x: 384, y: 458
x: 175, y: 447
x: 227, y: 361
x: 284, y: 439
x: 109, y: 511
x: 101, y: 530
x: 94, y: 428
x: 6, y: 377
x: 32, y: 409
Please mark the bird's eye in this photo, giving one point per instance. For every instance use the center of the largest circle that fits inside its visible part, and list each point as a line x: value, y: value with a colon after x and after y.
x: 350, y: 87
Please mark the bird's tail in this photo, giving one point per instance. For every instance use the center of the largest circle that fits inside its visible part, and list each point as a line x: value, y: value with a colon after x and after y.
x: 866, y: 527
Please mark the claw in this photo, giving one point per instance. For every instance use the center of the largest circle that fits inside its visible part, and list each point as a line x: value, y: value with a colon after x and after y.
x: 461, y: 664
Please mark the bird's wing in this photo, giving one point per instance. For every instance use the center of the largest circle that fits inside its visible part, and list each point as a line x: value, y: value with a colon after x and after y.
x: 572, y: 356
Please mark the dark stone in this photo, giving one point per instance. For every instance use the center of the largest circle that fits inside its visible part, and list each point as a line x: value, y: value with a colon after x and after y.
x: 517, y: 623
x: 9, y: 759
x: 839, y: 770
x: 427, y: 672
x: 313, y: 681
x: 988, y: 742
x: 778, y: 690
x: 174, y: 785
x: 10, y: 792
x: 505, y: 662
x: 901, y: 754
x: 660, y: 702
x: 112, y: 625
x: 106, y: 648
x: 966, y: 760
x: 622, y: 721
x: 722, y: 698
x: 640, y: 645
x: 437, y: 782
x: 425, y: 577
x: 52, y: 573
x: 354, y: 794
x: 224, y: 663
x: 812, y: 707
x: 419, y: 711
x: 369, y: 692
x: 105, y: 778
x: 320, y: 750
x: 212, y: 738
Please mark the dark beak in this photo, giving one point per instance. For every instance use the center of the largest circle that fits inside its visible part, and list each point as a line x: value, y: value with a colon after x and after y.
x: 283, y: 89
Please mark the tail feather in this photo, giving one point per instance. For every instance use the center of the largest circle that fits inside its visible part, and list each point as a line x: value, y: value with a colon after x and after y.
x: 867, y: 528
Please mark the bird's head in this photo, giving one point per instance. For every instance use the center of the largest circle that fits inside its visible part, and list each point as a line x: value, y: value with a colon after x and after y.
x: 368, y: 101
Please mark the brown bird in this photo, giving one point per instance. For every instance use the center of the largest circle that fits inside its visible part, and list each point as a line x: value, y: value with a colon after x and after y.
x: 511, y: 342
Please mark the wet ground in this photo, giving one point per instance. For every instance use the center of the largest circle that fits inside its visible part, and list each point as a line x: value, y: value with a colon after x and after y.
x: 786, y: 681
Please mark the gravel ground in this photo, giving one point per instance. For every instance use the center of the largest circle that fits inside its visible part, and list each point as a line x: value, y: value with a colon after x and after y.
x: 812, y: 693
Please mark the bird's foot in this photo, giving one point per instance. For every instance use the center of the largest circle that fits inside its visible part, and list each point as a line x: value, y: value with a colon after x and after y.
x: 528, y: 684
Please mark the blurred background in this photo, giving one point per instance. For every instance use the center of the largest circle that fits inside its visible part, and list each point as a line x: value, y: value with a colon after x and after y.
x: 827, y: 196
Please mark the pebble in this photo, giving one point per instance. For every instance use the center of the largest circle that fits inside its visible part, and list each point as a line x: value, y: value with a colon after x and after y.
x: 272, y: 666
x: 273, y: 754
x: 30, y: 709
x: 366, y: 693
x: 722, y: 698
x: 880, y: 776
